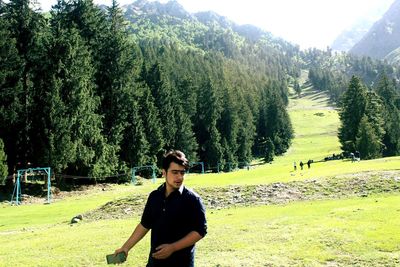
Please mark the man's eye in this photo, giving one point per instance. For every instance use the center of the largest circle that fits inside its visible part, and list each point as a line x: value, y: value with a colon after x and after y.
x: 176, y: 172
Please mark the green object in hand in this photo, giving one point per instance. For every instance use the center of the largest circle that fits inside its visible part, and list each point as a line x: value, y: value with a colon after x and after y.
x: 116, y: 258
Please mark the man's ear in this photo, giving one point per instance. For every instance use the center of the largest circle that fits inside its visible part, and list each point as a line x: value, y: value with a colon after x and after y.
x: 164, y: 173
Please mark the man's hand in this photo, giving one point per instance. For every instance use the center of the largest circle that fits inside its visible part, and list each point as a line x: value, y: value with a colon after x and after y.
x: 163, y: 251
x: 121, y: 250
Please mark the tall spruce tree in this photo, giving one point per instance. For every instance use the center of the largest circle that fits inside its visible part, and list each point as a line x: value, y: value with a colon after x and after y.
x: 136, y: 149
x: 186, y: 110
x: 352, y: 109
x: 185, y: 139
x: 273, y: 123
x: 165, y: 99
x: 24, y: 26
x: 3, y: 161
x: 96, y: 154
x: 152, y: 125
x: 279, y: 125
x: 229, y: 127
x: 262, y: 124
x: 246, y: 133
x: 367, y: 142
x: 269, y: 151
x: 391, y: 140
x: 206, y: 128
x: 76, y: 143
x: 374, y: 110
x: 11, y: 94
x: 115, y: 80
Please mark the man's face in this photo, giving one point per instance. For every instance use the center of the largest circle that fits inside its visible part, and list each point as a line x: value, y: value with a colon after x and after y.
x: 174, y: 176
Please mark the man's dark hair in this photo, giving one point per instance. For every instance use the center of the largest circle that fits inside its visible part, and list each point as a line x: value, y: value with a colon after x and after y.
x: 175, y: 156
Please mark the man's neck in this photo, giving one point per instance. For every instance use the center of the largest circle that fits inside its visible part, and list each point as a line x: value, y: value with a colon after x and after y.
x: 169, y: 190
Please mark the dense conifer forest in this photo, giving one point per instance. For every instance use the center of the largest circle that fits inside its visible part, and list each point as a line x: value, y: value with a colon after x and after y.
x: 94, y: 91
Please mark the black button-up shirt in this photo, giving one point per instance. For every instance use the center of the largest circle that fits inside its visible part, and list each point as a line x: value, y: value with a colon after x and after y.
x: 172, y: 218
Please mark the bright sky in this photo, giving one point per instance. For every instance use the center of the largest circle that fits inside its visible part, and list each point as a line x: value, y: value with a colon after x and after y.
x: 309, y: 23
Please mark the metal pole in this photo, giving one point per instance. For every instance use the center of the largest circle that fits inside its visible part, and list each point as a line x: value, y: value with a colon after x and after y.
x: 154, y: 174
x: 18, y: 191
x: 133, y: 178
x: 47, y: 170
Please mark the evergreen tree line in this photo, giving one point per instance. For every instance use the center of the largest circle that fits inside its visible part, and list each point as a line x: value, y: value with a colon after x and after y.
x: 331, y: 72
x: 370, y: 119
x: 368, y: 95
x: 81, y: 95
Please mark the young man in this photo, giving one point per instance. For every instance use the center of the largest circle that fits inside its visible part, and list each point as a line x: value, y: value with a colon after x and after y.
x: 175, y: 215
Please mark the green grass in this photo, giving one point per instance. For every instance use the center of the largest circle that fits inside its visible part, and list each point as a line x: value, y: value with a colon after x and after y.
x: 305, y: 234
x: 343, y: 232
x: 61, y: 211
x: 356, y: 231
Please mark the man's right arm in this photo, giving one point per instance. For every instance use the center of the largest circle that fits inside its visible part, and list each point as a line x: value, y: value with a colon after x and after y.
x: 139, y: 232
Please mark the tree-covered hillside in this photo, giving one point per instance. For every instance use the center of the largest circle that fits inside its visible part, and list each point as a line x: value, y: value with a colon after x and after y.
x: 93, y: 91
x: 88, y: 93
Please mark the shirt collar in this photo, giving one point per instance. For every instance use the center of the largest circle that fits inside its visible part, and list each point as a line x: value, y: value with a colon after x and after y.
x: 161, y: 188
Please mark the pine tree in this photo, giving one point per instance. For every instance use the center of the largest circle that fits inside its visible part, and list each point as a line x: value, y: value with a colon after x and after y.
x: 374, y: 110
x: 76, y: 143
x: 279, y: 125
x: 115, y: 79
x: 207, y: 134
x: 87, y: 18
x: 273, y: 123
x: 246, y: 133
x: 164, y: 95
x: 136, y: 149
x: 367, y: 143
x: 3, y: 161
x: 185, y: 139
x: 391, y: 140
x: 187, y: 90
x: 228, y: 126
x: 11, y: 94
x: 24, y: 26
x: 152, y: 125
x: 269, y: 151
x: 352, y: 109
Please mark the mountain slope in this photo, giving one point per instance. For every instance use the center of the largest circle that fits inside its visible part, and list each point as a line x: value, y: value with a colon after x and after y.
x: 383, y: 37
x: 349, y: 37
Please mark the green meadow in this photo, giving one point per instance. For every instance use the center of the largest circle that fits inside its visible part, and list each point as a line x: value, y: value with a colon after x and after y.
x: 351, y: 231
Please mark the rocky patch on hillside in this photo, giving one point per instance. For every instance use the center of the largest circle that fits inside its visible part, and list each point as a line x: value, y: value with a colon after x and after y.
x: 360, y: 184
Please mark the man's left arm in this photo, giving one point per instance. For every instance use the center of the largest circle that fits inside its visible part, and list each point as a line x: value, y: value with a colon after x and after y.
x: 165, y: 250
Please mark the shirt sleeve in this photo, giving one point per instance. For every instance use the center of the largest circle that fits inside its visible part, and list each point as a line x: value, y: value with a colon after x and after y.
x: 199, y: 221
x: 146, y: 220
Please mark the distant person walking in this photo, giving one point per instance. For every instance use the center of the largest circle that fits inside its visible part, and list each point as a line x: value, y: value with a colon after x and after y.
x: 301, y: 165
x: 294, y: 166
x: 309, y: 163
x: 353, y: 158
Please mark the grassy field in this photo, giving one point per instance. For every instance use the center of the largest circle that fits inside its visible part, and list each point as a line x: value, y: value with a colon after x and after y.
x: 355, y: 231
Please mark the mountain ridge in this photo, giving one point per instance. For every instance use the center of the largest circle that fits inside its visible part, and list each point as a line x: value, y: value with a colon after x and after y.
x: 383, y: 37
